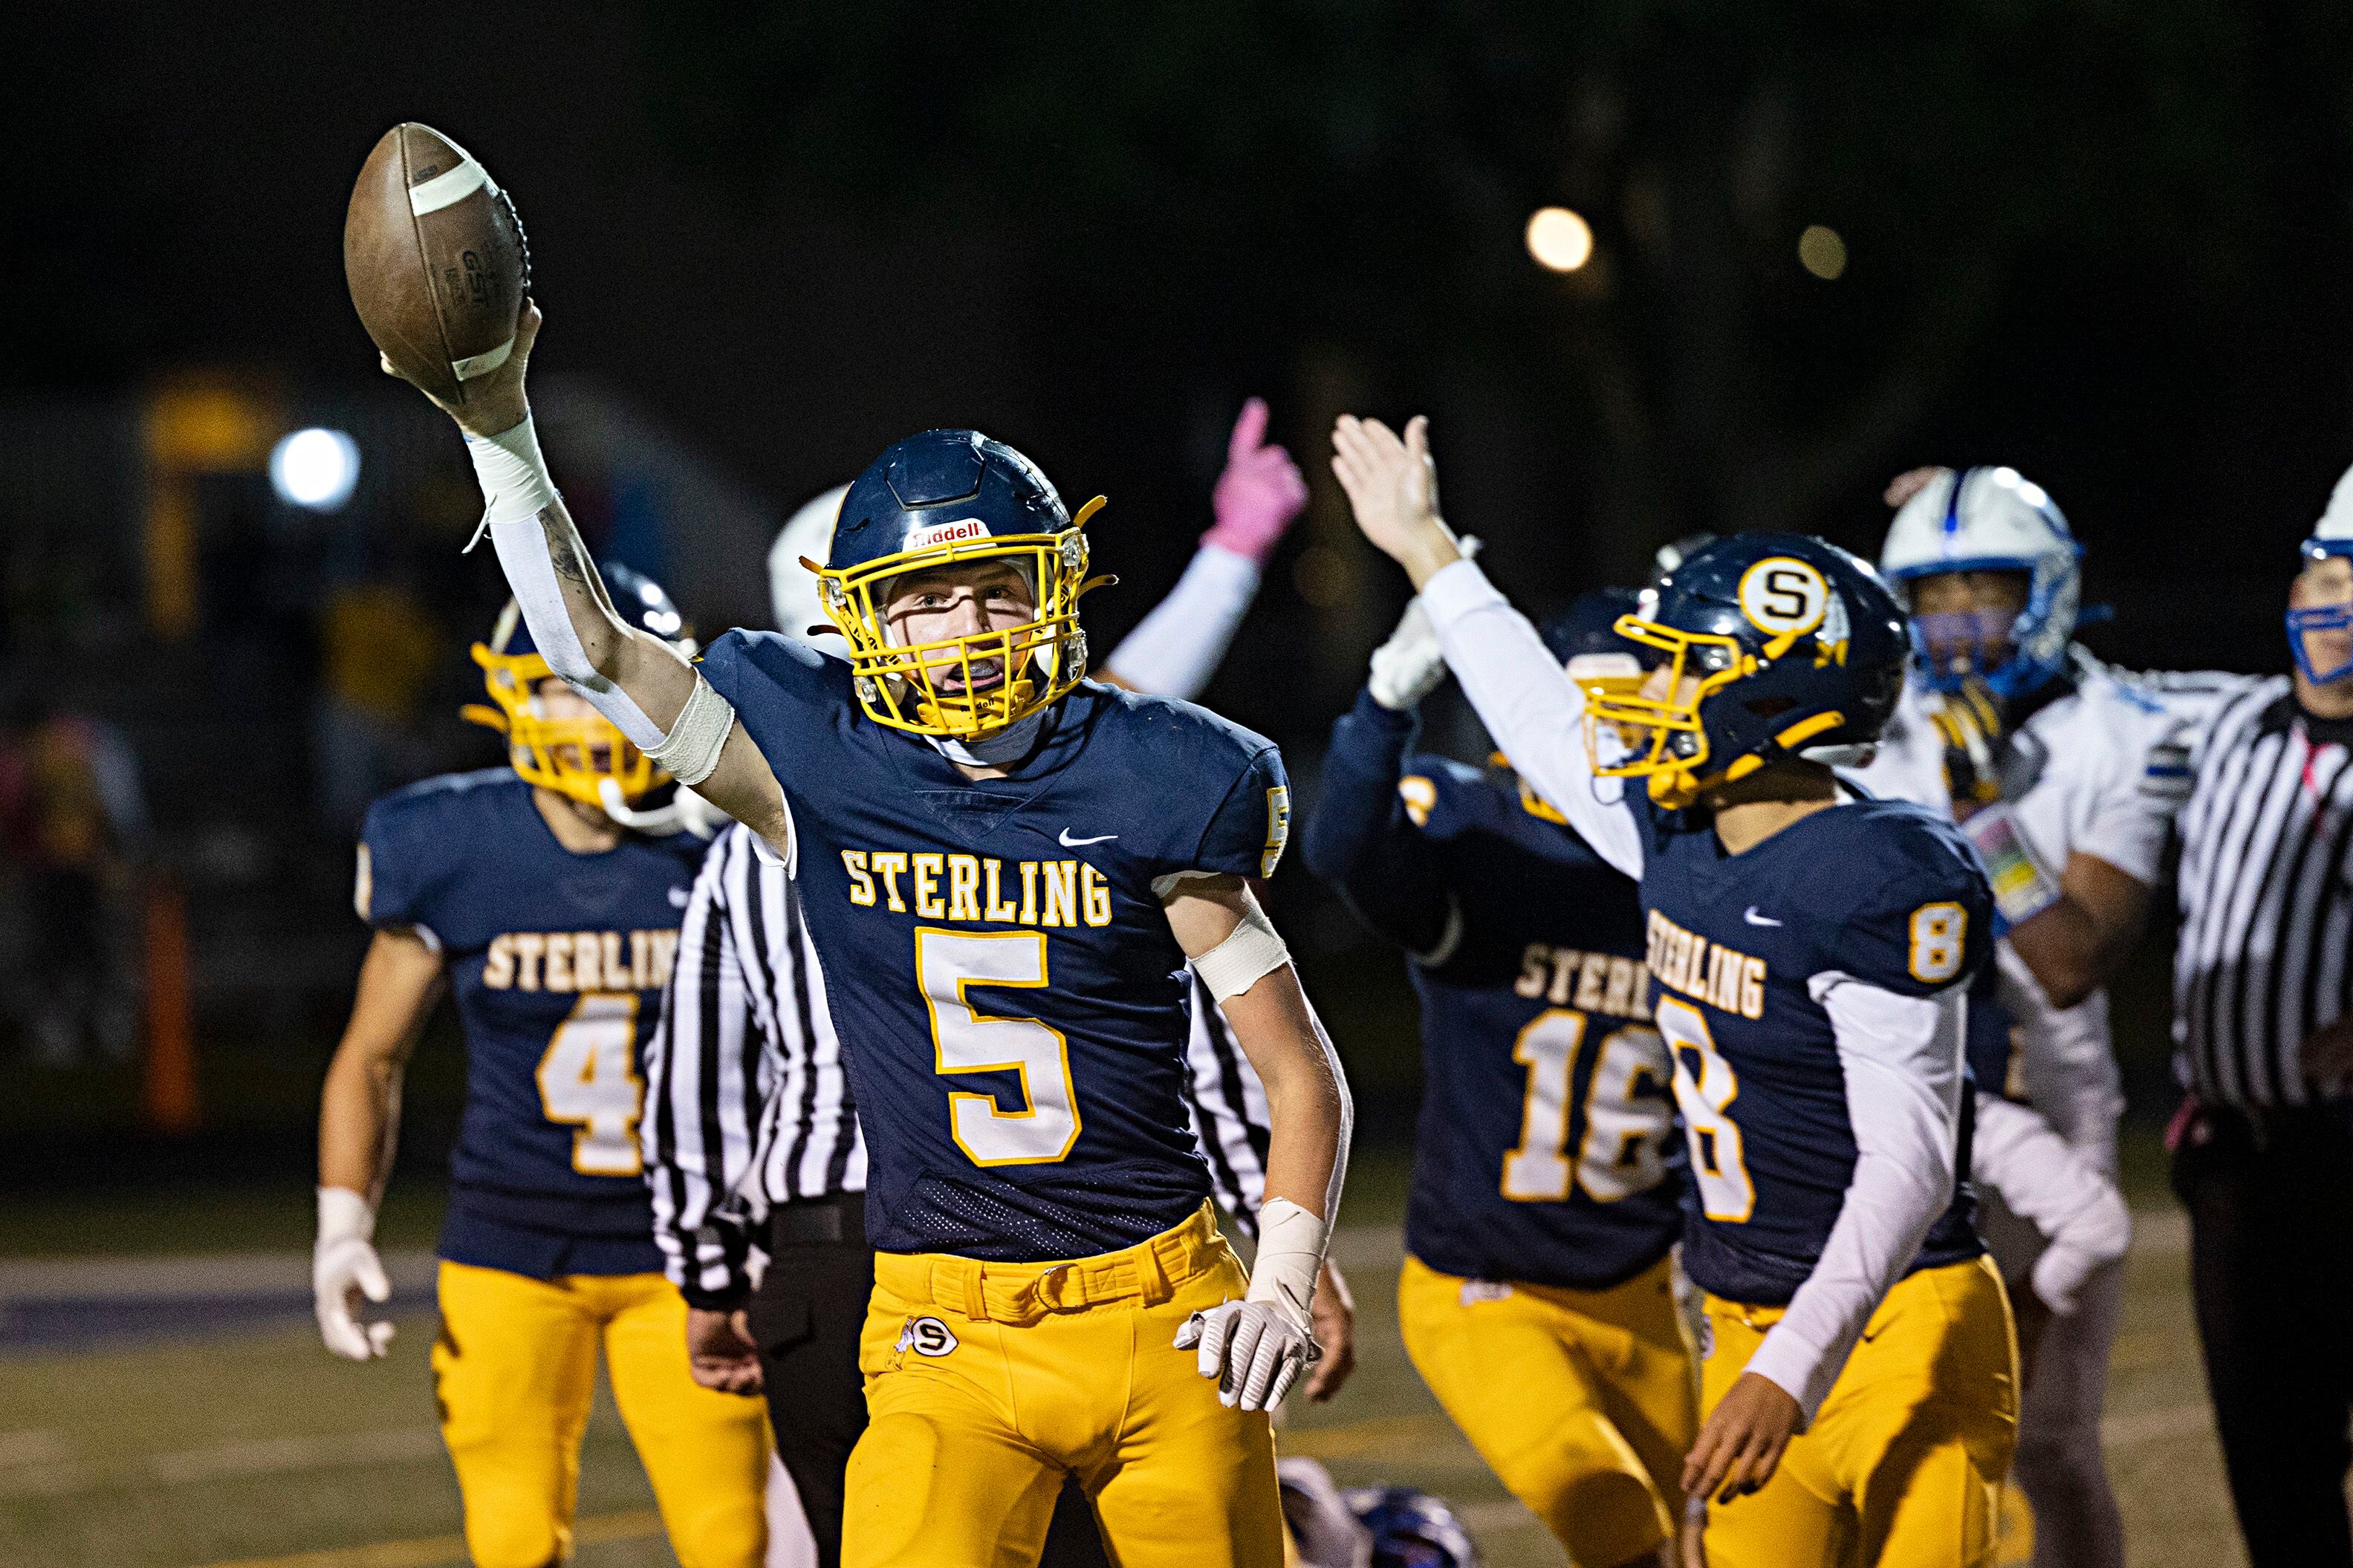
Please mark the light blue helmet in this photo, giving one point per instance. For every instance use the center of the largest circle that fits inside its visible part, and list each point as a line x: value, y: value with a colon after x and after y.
x: 1988, y: 519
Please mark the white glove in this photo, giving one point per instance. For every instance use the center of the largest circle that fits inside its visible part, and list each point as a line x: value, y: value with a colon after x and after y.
x: 343, y: 1261
x: 1408, y: 666
x: 2046, y: 1180
x: 2061, y: 1271
x: 1255, y: 1349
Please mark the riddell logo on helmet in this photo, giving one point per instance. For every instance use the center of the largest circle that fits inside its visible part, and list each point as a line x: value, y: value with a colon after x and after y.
x: 932, y: 533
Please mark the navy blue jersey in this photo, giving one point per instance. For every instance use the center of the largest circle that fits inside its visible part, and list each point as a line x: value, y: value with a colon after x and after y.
x: 1882, y: 891
x: 1001, y: 970
x: 1545, y: 1150
x: 558, y: 962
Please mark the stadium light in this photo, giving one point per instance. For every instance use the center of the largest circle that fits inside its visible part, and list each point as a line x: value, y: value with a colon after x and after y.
x: 1821, y: 252
x: 1559, y: 239
x: 315, y: 469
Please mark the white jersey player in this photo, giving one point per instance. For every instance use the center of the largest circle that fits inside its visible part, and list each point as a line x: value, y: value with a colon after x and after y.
x: 2065, y: 774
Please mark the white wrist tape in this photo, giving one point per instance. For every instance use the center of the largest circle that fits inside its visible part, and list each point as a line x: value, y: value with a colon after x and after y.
x: 1290, y: 1244
x: 690, y: 750
x: 1237, y: 964
x: 345, y: 1215
x: 512, y: 474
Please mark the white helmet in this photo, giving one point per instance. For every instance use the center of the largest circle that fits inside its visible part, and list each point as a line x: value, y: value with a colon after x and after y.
x: 1988, y: 519
x: 792, y: 588
x: 2332, y: 535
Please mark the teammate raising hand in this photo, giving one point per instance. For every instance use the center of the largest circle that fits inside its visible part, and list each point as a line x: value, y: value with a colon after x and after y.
x: 1812, y: 955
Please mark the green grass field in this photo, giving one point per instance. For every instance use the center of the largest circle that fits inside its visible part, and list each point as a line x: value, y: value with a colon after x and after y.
x: 256, y: 1448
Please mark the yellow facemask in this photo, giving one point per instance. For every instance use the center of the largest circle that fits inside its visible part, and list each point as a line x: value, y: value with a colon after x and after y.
x: 1666, y: 741
x: 1662, y: 737
x: 902, y: 685
x: 574, y: 757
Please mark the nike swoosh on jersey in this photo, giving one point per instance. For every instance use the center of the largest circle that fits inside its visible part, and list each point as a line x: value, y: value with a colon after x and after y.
x: 1070, y: 843
x: 1753, y: 918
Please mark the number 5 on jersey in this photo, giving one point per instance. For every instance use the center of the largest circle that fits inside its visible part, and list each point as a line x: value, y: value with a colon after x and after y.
x: 965, y: 1040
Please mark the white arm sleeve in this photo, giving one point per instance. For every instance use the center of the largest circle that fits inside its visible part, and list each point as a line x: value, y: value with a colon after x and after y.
x: 1177, y: 648
x: 522, y: 544
x: 1534, y: 712
x: 1902, y: 1058
x: 2042, y: 1179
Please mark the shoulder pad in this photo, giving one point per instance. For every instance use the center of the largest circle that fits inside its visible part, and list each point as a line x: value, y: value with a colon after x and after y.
x: 413, y: 838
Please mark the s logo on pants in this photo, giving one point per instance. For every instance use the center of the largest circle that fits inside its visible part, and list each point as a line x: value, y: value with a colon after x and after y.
x: 927, y: 1336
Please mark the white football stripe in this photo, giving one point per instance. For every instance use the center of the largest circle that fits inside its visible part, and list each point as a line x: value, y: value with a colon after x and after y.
x: 481, y: 364
x: 446, y: 190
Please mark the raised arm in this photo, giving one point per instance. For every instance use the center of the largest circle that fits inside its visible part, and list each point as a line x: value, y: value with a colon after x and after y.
x: 640, y: 683
x: 1179, y: 646
x: 1256, y: 1347
x: 1534, y: 712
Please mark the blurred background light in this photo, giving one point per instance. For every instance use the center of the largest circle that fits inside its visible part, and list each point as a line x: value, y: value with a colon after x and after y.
x: 315, y: 469
x: 1559, y: 239
x: 1821, y: 252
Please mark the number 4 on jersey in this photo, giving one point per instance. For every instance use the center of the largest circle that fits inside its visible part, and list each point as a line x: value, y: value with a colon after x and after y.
x: 588, y: 1079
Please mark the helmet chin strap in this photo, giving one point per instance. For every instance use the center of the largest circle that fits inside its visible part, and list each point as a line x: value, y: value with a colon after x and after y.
x: 686, y: 813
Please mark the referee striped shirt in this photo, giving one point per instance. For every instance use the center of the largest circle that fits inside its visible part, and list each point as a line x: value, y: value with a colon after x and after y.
x: 747, y: 1105
x: 2267, y: 892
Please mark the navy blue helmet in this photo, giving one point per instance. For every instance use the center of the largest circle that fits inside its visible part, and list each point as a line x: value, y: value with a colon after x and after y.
x: 1412, y: 1528
x: 946, y: 501
x: 1589, y: 625
x: 1780, y: 645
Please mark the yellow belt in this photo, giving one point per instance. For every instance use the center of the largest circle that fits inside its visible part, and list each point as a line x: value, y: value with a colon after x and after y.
x: 1020, y: 1293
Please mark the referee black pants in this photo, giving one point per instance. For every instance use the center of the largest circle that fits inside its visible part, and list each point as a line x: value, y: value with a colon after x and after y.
x: 806, y: 1318
x: 2270, y: 1196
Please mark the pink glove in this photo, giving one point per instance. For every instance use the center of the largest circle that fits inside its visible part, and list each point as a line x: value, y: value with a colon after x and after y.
x: 1259, y: 494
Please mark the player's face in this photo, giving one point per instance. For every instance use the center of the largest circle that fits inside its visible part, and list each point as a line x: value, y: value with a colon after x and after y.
x: 960, y: 601
x: 558, y: 700
x: 2324, y: 584
x: 1965, y: 617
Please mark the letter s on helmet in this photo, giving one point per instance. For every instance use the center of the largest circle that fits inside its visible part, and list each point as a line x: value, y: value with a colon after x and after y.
x: 948, y: 498
x: 1793, y: 647
x: 1988, y: 519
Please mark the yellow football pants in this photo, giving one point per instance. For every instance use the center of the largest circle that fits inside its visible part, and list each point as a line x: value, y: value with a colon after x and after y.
x: 515, y: 1372
x: 987, y: 1383
x: 1904, y: 1463
x: 1582, y: 1402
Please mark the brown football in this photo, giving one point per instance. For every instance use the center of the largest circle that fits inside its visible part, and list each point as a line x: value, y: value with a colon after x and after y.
x: 436, y: 260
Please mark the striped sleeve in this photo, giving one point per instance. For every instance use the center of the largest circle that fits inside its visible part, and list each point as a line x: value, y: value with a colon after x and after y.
x: 1227, y: 1106
x: 708, y: 1068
